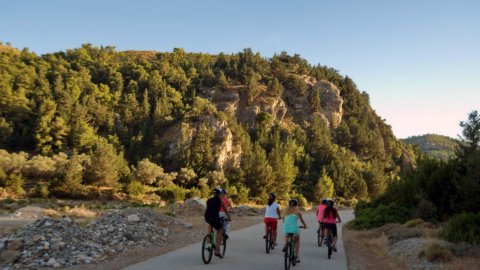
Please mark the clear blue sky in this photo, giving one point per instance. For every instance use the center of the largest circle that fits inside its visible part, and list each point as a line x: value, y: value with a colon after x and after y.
x: 419, y: 60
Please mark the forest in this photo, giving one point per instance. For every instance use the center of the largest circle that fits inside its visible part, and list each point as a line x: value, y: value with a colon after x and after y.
x: 92, y: 121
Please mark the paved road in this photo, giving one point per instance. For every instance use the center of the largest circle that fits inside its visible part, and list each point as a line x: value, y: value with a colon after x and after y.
x: 246, y: 250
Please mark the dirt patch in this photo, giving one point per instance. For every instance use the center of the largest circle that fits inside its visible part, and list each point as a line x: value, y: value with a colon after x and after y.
x: 396, y: 247
x: 368, y: 253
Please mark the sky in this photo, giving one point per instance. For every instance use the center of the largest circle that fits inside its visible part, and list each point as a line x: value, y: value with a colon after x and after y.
x: 419, y: 60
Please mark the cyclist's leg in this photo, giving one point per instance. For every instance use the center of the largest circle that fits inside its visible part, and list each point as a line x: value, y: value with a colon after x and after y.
x: 286, y: 243
x: 217, y: 225
x: 296, y: 238
x: 274, y: 230
x: 334, y: 233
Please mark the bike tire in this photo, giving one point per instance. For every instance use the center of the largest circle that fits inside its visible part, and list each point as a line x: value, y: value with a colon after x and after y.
x: 207, y: 249
x: 223, y: 246
x: 330, y: 251
x: 287, y: 258
x: 293, y: 260
x: 267, y: 241
x: 320, y: 239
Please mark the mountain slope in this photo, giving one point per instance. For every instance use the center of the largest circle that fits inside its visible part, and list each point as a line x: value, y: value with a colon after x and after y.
x: 192, y: 121
x: 436, y: 146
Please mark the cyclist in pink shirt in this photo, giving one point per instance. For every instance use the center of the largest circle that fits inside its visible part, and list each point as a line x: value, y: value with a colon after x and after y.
x: 330, y: 216
x: 320, y: 210
x: 223, y: 214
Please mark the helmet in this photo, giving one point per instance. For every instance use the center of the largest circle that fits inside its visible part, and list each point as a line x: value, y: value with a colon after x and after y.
x: 330, y: 203
x: 272, y: 195
x: 293, y: 202
x: 324, y: 200
x: 224, y: 192
x: 217, y: 191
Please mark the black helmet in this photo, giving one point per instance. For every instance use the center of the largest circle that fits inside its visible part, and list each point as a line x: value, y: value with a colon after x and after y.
x: 224, y: 192
x: 272, y: 195
x: 293, y: 202
x: 217, y: 191
x: 330, y: 203
x: 324, y: 201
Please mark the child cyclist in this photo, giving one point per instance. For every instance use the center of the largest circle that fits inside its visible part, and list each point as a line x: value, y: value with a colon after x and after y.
x: 272, y: 213
x: 290, y: 225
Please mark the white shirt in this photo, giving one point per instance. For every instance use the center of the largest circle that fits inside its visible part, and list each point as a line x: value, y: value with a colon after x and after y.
x: 271, y: 211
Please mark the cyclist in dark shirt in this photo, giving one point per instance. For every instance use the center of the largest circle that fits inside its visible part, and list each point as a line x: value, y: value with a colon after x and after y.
x: 212, y: 217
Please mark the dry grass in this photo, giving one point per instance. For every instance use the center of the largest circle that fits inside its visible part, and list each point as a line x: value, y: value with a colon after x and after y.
x: 436, y: 252
x: 79, y: 212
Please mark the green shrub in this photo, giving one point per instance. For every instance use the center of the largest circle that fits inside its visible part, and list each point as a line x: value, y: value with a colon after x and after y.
x: 40, y: 190
x: 14, y: 183
x: 172, y: 193
x: 368, y: 218
x: 413, y: 223
x: 463, y: 228
x: 136, y: 188
x: 193, y: 192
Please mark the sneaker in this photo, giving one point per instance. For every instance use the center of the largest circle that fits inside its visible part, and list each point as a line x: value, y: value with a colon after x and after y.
x: 284, y: 249
x: 297, y: 259
x: 264, y: 237
x: 217, y: 254
x: 334, y: 248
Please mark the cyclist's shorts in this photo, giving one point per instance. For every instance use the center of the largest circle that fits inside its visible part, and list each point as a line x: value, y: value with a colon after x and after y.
x: 294, y: 233
x: 215, y: 223
x: 271, y: 222
x: 332, y: 227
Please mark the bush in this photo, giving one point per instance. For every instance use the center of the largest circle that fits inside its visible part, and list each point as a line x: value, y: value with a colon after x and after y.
x: 135, y: 188
x: 172, y: 193
x: 193, y: 192
x: 413, y: 223
x: 368, y: 218
x: 15, y: 183
x: 463, y: 228
x: 40, y: 190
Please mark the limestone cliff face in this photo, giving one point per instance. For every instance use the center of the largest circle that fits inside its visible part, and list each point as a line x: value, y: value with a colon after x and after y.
x: 181, y: 135
x: 296, y: 107
x: 300, y: 107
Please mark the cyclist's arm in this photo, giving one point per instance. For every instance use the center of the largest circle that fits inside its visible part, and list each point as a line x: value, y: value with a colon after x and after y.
x: 226, y: 211
x: 301, y: 219
x: 278, y: 213
x: 338, y: 217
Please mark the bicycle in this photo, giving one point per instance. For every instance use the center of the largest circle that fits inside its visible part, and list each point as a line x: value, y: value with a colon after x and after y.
x: 269, y: 243
x: 329, y: 242
x: 320, y: 235
x: 289, y: 257
x: 208, y: 246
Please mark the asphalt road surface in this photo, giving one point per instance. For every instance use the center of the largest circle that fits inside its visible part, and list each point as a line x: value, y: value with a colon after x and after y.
x: 246, y: 250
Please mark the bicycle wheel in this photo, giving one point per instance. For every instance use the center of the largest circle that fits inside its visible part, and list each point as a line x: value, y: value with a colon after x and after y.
x: 292, y: 254
x: 328, y: 242
x: 207, y: 249
x: 268, y: 239
x: 287, y: 257
x: 320, y: 238
x: 223, y: 246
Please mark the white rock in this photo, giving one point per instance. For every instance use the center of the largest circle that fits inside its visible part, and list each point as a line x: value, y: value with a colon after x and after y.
x: 133, y: 218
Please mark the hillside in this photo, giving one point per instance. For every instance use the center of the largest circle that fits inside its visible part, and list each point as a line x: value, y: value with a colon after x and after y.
x: 435, y: 146
x: 181, y: 123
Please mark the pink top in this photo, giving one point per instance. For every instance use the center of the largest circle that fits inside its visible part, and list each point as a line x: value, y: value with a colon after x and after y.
x: 331, y: 219
x: 321, y: 209
x: 226, y: 201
